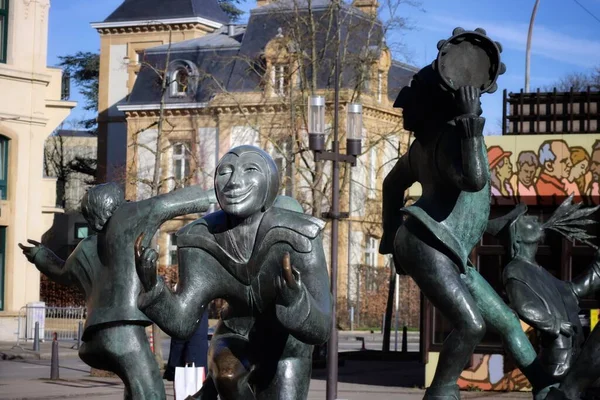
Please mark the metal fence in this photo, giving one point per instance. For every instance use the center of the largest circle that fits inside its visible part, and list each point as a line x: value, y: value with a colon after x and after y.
x: 66, y: 322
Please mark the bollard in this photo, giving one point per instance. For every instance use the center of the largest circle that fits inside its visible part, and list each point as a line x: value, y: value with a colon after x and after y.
x: 54, y: 361
x: 404, y: 339
x: 79, y: 334
x: 36, y: 337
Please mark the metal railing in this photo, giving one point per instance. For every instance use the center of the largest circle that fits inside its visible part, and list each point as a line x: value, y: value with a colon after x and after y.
x: 66, y: 322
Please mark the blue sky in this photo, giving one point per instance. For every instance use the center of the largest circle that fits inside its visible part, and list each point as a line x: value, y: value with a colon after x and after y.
x: 565, y: 39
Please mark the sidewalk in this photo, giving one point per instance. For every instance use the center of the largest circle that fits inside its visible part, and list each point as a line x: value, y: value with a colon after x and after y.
x: 364, y: 380
x: 9, y: 351
x: 112, y: 389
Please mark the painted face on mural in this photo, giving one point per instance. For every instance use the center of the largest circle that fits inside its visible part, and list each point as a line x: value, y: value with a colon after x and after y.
x: 505, y: 171
x: 595, y: 165
x: 241, y: 184
x: 526, y: 174
x: 560, y: 167
x: 578, y: 170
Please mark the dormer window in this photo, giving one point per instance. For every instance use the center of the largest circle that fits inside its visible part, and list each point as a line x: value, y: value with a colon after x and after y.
x: 179, y: 82
x: 281, y: 78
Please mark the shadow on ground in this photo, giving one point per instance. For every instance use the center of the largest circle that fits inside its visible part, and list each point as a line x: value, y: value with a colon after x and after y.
x: 373, y: 369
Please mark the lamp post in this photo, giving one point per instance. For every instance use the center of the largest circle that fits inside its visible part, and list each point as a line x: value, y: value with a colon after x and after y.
x: 528, y: 48
x: 316, y: 129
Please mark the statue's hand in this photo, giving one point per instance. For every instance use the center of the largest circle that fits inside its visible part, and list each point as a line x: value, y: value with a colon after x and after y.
x: 566, y: 329
x: 289, y: 284
x: 145, y: 264
x: 468, y: 101
x: 30, y: 252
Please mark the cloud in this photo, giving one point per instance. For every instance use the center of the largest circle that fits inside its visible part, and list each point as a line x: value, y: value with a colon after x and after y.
x: 546, y: 42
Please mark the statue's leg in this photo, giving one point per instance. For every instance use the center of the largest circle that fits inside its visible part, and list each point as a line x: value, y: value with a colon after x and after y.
x: 286, y: 378
x: 439, y: 279
x: 125, y: 350
x: 585, y: 371
x: 229, y: 367
x: 499, y: 316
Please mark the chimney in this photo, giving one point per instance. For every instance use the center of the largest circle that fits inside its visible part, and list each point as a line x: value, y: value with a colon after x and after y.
x: 367, y: 6
x: 231, y: 30
x: 260, y: 3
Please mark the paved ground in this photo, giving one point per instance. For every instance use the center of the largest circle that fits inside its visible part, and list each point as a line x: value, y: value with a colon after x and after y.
x: 24, y: 375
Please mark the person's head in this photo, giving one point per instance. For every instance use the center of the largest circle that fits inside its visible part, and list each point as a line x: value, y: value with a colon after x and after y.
x: 246, y: 181
x: 580, y: 161
x: 519, y: 232
x: 499, y: 163
x: 555, y: 158
x: 595, y: 162
x: 100, y: 202
x: 527, y: 165
x: 424, y: 101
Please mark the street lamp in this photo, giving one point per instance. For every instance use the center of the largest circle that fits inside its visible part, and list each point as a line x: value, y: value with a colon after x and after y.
x: 316, y: 142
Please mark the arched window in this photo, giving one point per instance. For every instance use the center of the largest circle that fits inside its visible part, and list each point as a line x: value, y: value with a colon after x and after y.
x: 3, y: 167
x: 179, y: 81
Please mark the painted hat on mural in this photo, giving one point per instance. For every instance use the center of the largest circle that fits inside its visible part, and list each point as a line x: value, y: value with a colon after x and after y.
x: 496, y: 154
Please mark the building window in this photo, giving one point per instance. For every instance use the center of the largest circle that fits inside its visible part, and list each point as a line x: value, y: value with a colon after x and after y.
x: 82, y: 231
x: 179, y: 82
x: 370, y: 264
x: 371, y: 251
x: 172, y: 249
x: 2, y: 264
x: 3, y: 167
x: 3, y: 29
x: 372, y: 172
x: 181, y: 163
x: 281, y: 78
x: 379, y: 85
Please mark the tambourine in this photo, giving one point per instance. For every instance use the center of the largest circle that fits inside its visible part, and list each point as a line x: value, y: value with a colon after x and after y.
x: 469, y: 58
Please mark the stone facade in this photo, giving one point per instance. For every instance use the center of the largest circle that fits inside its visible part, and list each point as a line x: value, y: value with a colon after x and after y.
x: 30, y: 109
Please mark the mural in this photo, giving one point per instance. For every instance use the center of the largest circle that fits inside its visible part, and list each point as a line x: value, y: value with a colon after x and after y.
x: 541, y: 169
x: 491, y: 372
x: 545, y: 175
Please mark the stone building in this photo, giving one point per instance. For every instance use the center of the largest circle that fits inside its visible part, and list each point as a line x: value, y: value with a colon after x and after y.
x: 31, y: 107
x: 249, y: 84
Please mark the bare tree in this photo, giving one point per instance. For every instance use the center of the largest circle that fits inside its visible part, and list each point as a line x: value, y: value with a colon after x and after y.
x: 297, y: 62
x: 578, y: 81
x: 162, y: 158
x: 71, y: 160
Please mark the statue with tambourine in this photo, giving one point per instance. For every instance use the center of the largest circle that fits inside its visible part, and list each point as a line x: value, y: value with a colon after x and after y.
x: 431, y: 240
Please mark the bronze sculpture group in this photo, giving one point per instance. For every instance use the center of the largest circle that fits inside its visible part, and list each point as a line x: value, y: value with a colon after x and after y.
x: 265, y: 257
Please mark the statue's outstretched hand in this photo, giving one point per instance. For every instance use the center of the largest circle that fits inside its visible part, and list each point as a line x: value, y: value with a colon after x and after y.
x: 30, y: 252
x: 289, y: 284
x: 145, y: 264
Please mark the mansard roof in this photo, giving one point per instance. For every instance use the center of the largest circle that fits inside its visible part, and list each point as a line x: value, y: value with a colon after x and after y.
x: 232, y: 61
x: 145, y: 10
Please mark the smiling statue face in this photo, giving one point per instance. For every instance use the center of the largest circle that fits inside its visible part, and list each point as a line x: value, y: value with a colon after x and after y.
x: 241, y: 184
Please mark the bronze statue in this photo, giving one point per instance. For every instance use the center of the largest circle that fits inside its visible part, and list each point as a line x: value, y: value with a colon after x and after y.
x: 268, y: 263
x: 432, y: 239
x: 103, y: 267
x: 546, y: 303
x: 584, y: 372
